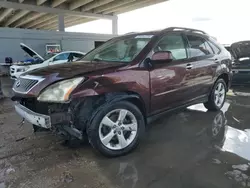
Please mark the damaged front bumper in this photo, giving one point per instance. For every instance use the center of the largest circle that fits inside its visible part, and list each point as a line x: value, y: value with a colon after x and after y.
x: 34, y: 118
x: 58, y: 118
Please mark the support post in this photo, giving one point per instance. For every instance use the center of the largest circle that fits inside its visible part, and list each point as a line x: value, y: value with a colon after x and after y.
x: 115, y: 25
x: 61, y: 25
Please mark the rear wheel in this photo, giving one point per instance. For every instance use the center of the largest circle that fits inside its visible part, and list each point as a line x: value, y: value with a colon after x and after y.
x: 116, y: 128
x: 217, y: 97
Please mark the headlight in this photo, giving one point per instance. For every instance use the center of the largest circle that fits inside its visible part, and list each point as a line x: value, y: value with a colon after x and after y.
x: 59, y: 91
x: 23, y: 69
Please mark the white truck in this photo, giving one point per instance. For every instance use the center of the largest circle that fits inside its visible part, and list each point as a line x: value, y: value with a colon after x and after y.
x: 39, y: 62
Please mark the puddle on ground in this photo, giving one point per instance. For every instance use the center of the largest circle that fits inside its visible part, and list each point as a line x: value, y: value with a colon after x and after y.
x: 237, y: 142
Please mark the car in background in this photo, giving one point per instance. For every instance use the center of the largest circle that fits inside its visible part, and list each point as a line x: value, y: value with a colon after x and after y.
x: 123, y: 85
x: 39, y: 62
x: 241, y: 62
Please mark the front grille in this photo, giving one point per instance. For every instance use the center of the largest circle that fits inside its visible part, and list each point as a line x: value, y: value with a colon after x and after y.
x: 24, y: 85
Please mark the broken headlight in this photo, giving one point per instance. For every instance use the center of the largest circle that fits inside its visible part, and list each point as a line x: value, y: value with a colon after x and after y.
x: 60, y: 91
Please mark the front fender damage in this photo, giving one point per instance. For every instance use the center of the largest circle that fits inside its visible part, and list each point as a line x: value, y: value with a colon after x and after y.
x: 87, y: 110
x: 71, y: 119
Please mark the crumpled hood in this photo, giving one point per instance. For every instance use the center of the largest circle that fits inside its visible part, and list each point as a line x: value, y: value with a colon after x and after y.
x: 73, y: 69
x: 240, y: 49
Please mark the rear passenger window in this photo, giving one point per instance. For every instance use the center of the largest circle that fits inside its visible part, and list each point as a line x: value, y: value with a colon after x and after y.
x: 214, y: 47
x: 173, y: 43
x: 198, y: 46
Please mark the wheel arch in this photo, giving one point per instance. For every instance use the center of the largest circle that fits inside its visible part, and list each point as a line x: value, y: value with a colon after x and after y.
x: 225, y: 77
x: 129, y: 96
x: 88, y: 107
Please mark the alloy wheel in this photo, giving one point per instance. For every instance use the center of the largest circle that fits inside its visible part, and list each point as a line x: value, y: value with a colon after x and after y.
x: 219, y: 94
x: 118, y: 129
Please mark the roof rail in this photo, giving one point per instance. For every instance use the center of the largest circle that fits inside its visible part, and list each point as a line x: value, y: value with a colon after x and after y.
x: 185, y: 29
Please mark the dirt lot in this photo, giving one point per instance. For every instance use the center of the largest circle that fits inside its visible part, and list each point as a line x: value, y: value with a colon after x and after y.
x: 191, y: 148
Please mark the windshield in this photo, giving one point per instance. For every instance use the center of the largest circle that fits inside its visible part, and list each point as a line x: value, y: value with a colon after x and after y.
x: 120, y: 50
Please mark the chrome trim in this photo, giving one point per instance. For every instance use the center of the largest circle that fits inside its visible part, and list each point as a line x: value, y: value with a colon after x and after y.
x: 30, y: 77
x: 40, y: 120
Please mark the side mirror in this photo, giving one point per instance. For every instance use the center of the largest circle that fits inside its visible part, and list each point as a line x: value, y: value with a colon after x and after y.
x: 162, y: 56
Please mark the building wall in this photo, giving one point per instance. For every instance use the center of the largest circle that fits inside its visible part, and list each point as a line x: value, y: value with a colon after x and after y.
x: 10, y: 39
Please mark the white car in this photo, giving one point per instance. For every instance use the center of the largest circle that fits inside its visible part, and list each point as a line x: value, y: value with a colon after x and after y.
x: 52, y: 59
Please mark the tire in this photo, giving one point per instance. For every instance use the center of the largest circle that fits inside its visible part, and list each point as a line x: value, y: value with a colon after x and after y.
x: 211, y: 103
x: 96, y: 128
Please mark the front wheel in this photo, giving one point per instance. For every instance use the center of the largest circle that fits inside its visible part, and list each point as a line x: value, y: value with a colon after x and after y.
x: 217, y: 97
x: 116, y: 128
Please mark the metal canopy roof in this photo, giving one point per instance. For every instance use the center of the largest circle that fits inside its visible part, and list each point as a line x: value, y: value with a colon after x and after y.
x: 43, y: 14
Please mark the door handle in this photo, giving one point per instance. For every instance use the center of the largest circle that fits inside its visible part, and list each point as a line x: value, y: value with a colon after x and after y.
x: 189, y: 66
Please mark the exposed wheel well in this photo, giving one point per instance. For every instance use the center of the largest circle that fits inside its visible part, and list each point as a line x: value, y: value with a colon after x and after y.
x: 89, y: 105
x: 225, y: 77
x: 132, y: 97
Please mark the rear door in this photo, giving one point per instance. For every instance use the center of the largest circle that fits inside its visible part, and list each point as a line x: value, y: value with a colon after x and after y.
x: 204, y: 61
x: 169, y: 79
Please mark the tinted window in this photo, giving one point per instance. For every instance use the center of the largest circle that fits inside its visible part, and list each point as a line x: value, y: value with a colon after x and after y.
x: 63, y: 56
x: 198, y: 46
x: 173, y: 43
x: 215, y: 48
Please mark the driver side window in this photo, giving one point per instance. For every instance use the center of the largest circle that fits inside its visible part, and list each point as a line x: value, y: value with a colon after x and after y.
x: 63, y: 56
x: 173, y: 43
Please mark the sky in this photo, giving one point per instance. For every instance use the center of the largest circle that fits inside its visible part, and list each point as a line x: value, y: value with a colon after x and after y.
x: 227, y: 20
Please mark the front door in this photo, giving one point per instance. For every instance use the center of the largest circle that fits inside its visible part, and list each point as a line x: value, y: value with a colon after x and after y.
x: 169, y: 84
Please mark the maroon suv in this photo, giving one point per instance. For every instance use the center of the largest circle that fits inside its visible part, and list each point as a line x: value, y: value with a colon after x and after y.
x: 118, y: 88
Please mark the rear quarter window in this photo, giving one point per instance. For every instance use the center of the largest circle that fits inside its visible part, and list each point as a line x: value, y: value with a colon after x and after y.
x: 215, y: 48
x: 215, y: 45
